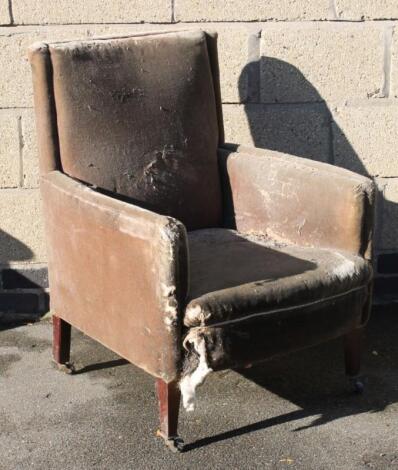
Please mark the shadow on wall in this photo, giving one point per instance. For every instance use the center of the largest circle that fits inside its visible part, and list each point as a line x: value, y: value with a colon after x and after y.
x: 19, y: 293
x: 12, y: 250
x: 304, y: 126
x: 312, y: 379
x: 283, y: 82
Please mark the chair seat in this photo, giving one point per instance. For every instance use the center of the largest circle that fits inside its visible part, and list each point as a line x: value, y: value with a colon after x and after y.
x: 234, y: 276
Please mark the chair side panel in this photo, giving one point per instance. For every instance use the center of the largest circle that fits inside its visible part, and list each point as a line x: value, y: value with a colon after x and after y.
x: 106, y: 282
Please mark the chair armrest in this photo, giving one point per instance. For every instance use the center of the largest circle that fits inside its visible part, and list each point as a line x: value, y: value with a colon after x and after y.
x: 117, y: 272
x: 296, y: 199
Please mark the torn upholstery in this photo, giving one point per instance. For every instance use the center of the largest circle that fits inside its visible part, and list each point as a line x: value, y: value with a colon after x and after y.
x: 297, y: 200
x: 293, y: 269
x: 137, y: 116
x: 278, y: 250
x: 118, y: 272
x: 234, y: 276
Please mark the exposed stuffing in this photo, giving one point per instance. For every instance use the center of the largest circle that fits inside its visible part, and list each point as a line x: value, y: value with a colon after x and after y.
x: 164, y: 163
x: 171, y: 305
x: 196, y: 376
x: 169, y: 236
x: 364, y: 187
x: 168, y: 290
x: 345, y: 269
x: 300, y: 226
x: 195, y: 312
x: 266, y: 238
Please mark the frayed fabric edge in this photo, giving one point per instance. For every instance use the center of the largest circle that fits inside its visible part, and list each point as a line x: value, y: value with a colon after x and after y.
x: 194, y: 378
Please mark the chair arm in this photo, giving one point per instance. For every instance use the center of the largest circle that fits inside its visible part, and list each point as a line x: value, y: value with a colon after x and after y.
x: 117, y: 272
x: 296, y: 199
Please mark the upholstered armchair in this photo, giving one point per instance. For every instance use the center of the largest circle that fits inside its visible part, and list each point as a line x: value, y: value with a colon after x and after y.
x: 183, y: 254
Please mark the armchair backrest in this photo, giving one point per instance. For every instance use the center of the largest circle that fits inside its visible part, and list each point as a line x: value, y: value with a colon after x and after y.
x: 138, y: 116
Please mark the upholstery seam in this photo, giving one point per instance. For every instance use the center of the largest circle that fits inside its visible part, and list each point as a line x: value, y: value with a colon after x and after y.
x: 303, y: 165
x: 282, y: 309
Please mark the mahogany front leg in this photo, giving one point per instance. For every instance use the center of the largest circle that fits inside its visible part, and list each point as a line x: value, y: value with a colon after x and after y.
x: 169, y: 404
x: 353, y: 350
x: 61, y: 344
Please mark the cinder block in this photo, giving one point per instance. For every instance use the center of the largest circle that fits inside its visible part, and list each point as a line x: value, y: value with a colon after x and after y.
x: 21, y: 231
x: 90, y: 11
x: 365, y: 139
x: 297, y: 130
x: 252, y: 10
x: 385, y: 289
x: 32, y: 277
x: 387, y: 263
x: 237, y: 124
x: 18, y: 303
x: 366, y: 9
x: 16, y: 80
x: 394, y: 65
x: 4, y: 12
x: 9, y: 150
x: 233, y: 56
x: 388, y: 214
x: 30, y: 161
x: 323, y: 62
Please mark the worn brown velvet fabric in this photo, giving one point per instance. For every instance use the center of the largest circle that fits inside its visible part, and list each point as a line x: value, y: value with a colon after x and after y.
x: 233, y: 276
x: 297, y: 200
x: 117, y: 272
x: 251, y: 340
x: 137, y: 116
x: 140, y: 118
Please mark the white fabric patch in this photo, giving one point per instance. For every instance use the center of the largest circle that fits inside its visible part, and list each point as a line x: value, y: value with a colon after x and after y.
x: 344, y: 270
x: 192, y: 380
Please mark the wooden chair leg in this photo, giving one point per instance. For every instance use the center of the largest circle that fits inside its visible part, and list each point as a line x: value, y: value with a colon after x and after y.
x: 352, y: 350
x: 169, y: 404
x: 61, y: 344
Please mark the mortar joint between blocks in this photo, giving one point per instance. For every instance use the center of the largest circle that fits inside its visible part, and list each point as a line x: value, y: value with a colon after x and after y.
x: 10, y: 12
x: 21, y: 146
x: 173, y: 16
x: 333, y: 9
x: 386, y: 88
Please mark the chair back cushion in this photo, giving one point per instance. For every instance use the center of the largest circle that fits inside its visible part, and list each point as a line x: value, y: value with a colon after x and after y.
x: 137, y: 116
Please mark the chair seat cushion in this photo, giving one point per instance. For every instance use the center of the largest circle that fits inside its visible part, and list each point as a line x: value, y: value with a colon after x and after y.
x: 234, y: 276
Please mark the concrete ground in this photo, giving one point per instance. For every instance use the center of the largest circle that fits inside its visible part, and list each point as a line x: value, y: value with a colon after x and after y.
x: 296, y: 412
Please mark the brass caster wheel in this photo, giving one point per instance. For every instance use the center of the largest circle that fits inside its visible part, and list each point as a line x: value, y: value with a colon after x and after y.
x: 357, y: 385
x: 175, y: 443
x: 67, y: 368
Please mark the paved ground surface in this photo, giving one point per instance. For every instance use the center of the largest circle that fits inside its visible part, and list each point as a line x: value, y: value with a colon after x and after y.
x: 296, y: 412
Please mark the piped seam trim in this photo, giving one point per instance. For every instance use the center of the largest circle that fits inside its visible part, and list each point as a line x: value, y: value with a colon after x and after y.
x: 282, y: 309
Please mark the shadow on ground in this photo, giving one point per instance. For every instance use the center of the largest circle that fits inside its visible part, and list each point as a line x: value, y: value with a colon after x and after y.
x: 298, y: 408
x: 296, y: 411
x: 13, y: 307
x: 313, y: 380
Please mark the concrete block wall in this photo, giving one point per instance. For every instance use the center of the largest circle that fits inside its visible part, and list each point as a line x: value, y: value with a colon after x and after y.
x: 314, y: 78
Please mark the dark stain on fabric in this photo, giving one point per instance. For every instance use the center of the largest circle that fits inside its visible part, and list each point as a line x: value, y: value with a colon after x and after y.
x: 123, y: 95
